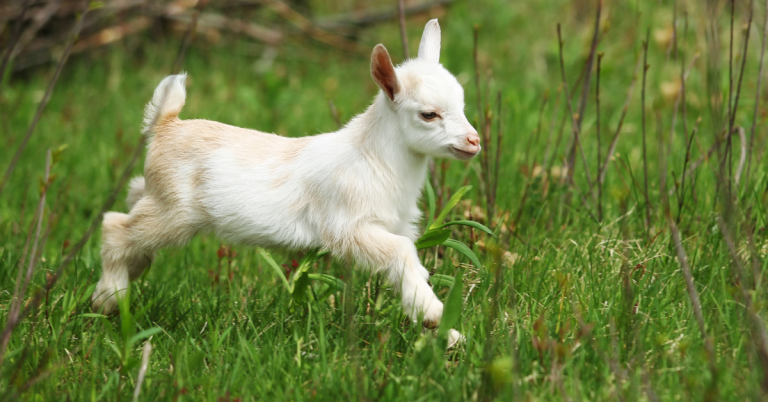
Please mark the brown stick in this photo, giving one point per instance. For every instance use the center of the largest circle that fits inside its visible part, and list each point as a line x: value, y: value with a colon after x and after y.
x: 46, y: 98
x: 14, y: 39
x: 681, y: 198
x: 95, y: 223
x: 188, y: 36
x: 693, y: 294
x: 574, y: 120
x: 358, y: 20
x: 39, y: 19
x: 645, y: 158
x: 599, y: 145
x: 403, y: 35
x: 590, y: 61
x: 477, y: 79
x: 305, y: 25
x: 732, y: 119
x: 761, y: 338
x: 583, y: 100
x: 498, y: 151
x: 757, y: 95
x: 21, y: 288
x: 334, y: 113
x: 680, y: 99
x: 624, y: 110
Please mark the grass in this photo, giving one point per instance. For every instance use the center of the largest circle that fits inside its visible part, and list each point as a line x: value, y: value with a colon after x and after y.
x: 566, y: 306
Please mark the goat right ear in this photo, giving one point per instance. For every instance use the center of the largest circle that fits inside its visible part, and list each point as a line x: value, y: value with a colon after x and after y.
x: 383, y: 72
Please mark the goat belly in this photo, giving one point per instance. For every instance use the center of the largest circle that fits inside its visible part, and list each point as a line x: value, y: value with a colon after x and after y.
x: 246, y: 207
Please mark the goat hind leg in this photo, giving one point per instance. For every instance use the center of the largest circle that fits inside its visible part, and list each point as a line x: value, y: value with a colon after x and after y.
x: 128, y: 246
x: 121, y: 261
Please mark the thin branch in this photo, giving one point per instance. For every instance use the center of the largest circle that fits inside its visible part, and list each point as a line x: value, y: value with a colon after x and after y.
x: 46, y: 98
x: 334, y: 113
x: 707, y: 156
x: 757, y: 94
x: 599, y: 144
x: 12, y: 41
x: 188, y: 36
x: 403, y: 34
x: 738, y: 88
x: 574, y: 123
x: 21, y: 285
x: 692, y: 294
x: 624, y: 110
x: 495, y: 183
x: 681, y: 199
x: 645, y: 158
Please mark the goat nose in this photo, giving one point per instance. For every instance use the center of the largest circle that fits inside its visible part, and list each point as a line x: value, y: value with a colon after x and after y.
x: 473, y: 139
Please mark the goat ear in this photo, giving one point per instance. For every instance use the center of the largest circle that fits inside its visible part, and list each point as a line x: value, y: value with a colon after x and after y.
x: 429, y: 48
x: 383, y: 72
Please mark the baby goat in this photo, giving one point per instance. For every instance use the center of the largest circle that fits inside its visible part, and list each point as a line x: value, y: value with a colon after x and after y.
x: 354, y: 191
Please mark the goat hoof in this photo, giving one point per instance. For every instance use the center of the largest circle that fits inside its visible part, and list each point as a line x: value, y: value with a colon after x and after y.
x: 430, y: 324
x: 455, y: 339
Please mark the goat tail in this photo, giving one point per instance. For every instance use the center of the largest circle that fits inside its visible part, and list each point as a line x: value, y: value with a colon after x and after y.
x: 166, y: 102
x: 135, y: 191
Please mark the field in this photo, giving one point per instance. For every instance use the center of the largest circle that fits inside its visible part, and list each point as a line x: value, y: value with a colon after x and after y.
x: 646, y: 287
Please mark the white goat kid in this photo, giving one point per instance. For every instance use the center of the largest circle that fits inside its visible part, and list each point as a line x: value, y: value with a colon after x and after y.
x: 354, y: 191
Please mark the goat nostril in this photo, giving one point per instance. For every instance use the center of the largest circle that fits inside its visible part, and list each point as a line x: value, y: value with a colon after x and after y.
x: 473, y: 139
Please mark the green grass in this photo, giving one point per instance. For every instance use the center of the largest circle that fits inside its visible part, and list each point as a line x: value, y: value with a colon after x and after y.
x: 566, y: 307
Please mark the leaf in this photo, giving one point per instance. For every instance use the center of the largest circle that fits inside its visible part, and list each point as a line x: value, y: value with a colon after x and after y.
x: 449, y: 206
x: 329, y: 280
x: 433, y: 238
x: 56, y: 154
x: 430, y: 203
x: 311, y: 258
x: 300, y: 285
x: 473, y: 224
x: 88, y: 293
x: 277, y: 269
x: 452, y: 308
x: 92, y: 315
x: 462, y: 248
x: 144, y: 334
x: 441, y: 280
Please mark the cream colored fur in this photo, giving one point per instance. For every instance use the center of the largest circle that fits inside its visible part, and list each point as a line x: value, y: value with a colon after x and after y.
x: 354, y: 191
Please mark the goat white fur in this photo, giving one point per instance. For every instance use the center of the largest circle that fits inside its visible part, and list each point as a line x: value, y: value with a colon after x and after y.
x: 354, y: 191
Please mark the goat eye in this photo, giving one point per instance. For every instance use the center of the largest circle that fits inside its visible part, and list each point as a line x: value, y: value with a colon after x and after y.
x: 429, y: 116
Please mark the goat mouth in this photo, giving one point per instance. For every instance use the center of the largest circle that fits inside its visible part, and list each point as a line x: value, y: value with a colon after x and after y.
x: 461, y: 154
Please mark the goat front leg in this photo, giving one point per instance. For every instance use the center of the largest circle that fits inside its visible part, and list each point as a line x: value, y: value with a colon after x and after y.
x: 396, y: 257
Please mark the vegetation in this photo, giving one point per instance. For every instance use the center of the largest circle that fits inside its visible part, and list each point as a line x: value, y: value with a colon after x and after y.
x: 629, y: 243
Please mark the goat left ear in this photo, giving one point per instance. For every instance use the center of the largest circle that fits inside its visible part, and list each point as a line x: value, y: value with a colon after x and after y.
x: 429, y: 48
x: 383, y: 72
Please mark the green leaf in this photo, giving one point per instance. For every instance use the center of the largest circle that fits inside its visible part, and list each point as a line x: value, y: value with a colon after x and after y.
x: 462, y: 248
x: 449, y: 206
x: 430, y: 203
x: 56, y: 154
x: 441, y: 280
x: 329, y: 280
x: 144, y: 334
x: 92, y: 315
x: 473, y: 224
x: 88, y: 293
x: 452, y: 308
x: 277, y: 269
x: 300, y: 285
x: 433, y: 238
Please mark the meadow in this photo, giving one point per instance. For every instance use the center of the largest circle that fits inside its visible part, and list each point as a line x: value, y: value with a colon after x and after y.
x: 630, y: 229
